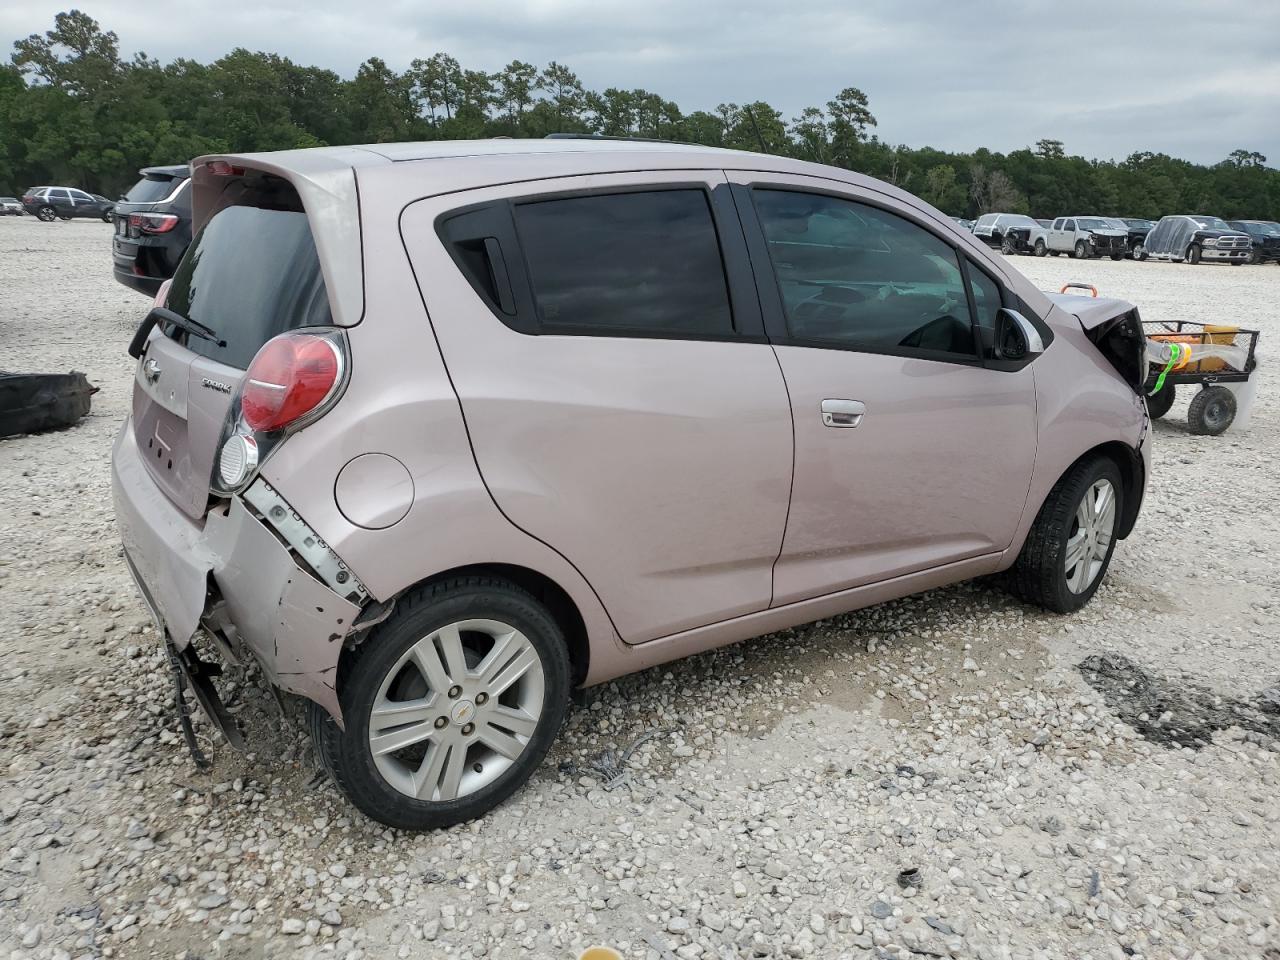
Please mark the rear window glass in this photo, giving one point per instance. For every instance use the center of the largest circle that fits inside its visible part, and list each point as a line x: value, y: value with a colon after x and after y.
x: 249, y: 275
x: 645, y: 262
x: 148, y: 190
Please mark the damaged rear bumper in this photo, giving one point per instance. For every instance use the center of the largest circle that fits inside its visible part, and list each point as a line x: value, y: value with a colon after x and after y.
x: 234, y: 575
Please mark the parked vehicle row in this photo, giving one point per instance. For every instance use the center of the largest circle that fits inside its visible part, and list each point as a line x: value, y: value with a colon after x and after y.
x: 10, y: 207
x: 1183, y: 238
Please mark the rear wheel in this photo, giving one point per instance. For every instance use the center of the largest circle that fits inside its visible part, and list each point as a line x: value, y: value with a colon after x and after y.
x: 1081, y: 251
x: 1193, y: 253
x: 1159, y: 403
x: 46, y: 213
x: 1070, y: 544
x: 1212, y: 410
x: 1117, y: 256
x: 450, y: 705
x: 1040, y: 248
x: 106, y: 216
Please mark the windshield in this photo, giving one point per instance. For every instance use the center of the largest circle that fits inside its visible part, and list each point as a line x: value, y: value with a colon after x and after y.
x: 251, y: 274
x: 1092, y: 223
x: 1211, y: 223
x: 150, y: 190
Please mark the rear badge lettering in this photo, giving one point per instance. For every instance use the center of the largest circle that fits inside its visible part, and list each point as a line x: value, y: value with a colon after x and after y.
x: 216, y: 385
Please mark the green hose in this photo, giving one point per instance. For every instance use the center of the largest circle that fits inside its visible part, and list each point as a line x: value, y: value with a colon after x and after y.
x: 1175, y: 354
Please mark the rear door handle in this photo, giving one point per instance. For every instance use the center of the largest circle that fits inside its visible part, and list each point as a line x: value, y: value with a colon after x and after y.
x: 842, y: 413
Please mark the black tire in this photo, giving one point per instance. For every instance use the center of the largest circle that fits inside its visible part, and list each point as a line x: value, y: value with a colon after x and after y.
x: 1139, y: 251
x: 1117, y: 256
x: 1255, y: 255
x: 1081, y: 251
x: 1039, y: 574
x: 346, y: 755
x: 106, y: 216
x: 1193, y: 253
x: 46, y: 214
x: 1212, y: 411
x: 1008, y: 246
x: 1158, y: 404
x: 1040, y: 249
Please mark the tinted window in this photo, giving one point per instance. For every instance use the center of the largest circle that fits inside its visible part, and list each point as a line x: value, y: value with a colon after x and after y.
x: 629, y: 262
x: 855, y: 276
x: 80, y: 196
x: 1069, y: 225
x: 59, y: 195
x: 149, y: 190
x: 249, y: 275
x: 986, y: 297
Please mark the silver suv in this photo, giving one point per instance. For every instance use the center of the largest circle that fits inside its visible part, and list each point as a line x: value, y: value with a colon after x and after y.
x: 437, y: 432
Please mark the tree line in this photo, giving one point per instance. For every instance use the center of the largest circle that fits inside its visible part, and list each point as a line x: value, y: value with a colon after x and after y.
x: 73, y: 111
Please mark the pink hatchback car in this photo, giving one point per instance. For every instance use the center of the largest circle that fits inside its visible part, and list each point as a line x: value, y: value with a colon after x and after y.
x: 438, y: 432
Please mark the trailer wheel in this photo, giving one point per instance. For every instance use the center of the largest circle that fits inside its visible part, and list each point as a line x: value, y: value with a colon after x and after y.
x: 1158, y: 403
x: 1213, y: 409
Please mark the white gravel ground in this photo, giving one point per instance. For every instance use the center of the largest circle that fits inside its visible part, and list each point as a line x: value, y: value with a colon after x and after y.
x: 1096, y: 786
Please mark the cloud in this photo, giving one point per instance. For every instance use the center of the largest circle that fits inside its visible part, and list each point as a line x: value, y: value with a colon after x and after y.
x: 1184, y: 77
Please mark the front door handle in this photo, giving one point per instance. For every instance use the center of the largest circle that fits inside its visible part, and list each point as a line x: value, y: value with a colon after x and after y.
x: 843, y: 413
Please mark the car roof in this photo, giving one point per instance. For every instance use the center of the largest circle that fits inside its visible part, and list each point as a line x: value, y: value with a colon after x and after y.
x: 326, y: 180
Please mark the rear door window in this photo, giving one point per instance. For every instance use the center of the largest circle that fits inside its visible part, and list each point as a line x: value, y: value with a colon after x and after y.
x: 643, y: 263
x: 79, y: 196
x: 249, y: 275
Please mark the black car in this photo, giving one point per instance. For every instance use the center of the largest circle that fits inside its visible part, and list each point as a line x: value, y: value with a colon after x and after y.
x: 1265, y: 235
x: 1137, y: 230
x: 153, y: 228
x: 63, y: 203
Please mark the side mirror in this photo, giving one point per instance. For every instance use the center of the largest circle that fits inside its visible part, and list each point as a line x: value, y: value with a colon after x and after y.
x: 1016, y: 339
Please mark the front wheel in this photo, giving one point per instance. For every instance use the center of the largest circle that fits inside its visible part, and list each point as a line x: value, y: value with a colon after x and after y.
x: 450, y: 705
x: 1008, y: 246
x: 1082, y: 250
x: 1117, y: 256
x: 1069, y: 548
x: 1040, y: 249
x: 1193, y: 253
x: 47, y: 214
x: 1139, y: 251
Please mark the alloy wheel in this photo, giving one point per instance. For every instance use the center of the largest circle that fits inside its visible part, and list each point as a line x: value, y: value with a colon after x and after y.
x: 1089, y: 539
x: 456, y: 710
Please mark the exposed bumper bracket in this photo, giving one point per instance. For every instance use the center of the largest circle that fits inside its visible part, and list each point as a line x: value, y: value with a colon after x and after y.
x: 190, y: 670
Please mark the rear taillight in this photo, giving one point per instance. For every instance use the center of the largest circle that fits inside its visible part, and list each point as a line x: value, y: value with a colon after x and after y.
x: 292, y: 375
x: 153, y: 222
x: 291, y: 381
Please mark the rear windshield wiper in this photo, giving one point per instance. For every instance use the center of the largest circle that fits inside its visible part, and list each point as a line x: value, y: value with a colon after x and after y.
x: 164, y: 315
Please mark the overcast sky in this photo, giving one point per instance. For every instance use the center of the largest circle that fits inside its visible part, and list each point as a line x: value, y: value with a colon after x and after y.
x: 1187, y: 77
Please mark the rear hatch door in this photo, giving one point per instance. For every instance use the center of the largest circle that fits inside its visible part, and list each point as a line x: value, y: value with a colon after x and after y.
x: 251, y: 273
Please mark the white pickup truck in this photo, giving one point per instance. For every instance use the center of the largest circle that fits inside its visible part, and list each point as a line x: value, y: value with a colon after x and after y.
x: 1085, y: 237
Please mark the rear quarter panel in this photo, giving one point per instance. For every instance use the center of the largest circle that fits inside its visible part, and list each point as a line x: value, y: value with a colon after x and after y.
x: 399, y: 402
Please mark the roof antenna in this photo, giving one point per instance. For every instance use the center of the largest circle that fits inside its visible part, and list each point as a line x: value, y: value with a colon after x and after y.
x: 752, y: 117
